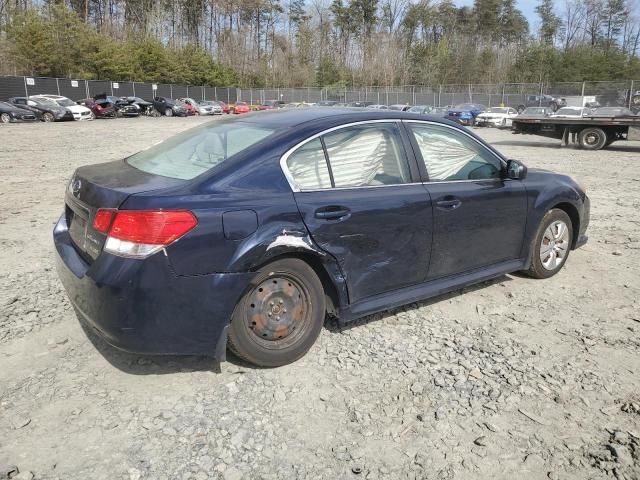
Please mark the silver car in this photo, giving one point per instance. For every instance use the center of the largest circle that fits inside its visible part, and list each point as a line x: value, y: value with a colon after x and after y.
x: 208, y: 107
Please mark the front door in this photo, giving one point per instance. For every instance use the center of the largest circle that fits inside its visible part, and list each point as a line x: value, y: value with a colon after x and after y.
x: 354, y: 189
x: 479, y: 217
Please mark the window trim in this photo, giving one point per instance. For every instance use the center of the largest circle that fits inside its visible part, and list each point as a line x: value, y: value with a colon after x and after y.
x: 423, y: 166
x: 296, y: 189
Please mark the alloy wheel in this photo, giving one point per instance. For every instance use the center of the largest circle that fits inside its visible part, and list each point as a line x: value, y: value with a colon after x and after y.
x: 5, y: 118
x: 554, y: 245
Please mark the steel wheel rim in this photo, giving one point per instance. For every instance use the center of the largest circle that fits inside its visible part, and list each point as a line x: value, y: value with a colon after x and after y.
x: 554, y: 245
x: 592, y: 138
x: 276, y: 311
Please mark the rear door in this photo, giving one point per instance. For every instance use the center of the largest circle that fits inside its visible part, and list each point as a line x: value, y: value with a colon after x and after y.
x: 361, y: 202
x: 479, y: 218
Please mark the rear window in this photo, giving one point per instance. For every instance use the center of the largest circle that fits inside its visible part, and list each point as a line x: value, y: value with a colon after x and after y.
x: 191, y: 153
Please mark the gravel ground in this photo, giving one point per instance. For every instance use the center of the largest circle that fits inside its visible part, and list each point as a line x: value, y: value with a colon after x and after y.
x: 515, y: 378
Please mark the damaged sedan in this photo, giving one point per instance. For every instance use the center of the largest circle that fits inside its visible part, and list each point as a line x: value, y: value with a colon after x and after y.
x: 247, y: 232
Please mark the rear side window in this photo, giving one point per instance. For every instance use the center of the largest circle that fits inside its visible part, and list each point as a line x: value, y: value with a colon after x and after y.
x: 191, y: 153
x: 357, y: 156
x: 450, y: 155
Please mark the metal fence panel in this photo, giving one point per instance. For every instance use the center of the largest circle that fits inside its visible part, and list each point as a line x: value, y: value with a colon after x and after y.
x: 143, y: 90
x: 179, y: 91
x: 73, y: 89
x: 98, y: 87
x: 163, y: 90
x: 42, y: 86
x: 12, y: 87
x: 122, y: 89
x: 197, y: 93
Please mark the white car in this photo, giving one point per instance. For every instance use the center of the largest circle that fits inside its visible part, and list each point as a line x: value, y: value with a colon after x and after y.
x: 571, y: 112
x: 79, y: 112
x: 207, y: 107
x: 497, y: 117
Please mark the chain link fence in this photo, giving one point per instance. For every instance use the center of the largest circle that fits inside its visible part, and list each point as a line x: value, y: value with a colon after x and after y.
x: 611, y: 93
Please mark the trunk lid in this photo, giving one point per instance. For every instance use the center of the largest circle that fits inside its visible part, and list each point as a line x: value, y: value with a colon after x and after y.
x: 105, y: 185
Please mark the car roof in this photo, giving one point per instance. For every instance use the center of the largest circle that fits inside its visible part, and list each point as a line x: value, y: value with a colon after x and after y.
x: 331, y: 116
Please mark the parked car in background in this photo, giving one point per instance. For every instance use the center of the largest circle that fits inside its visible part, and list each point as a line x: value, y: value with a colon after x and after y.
x: 241, y: 107
x: 465, y: 113
x: 359, y: 104
x: 208, y: 107
x: 439, y: 111
x: 44, y: 109
x: 421, y: 109
x: 100, y: 108
x: 569, y: 112
x: 270, y: 105
x: 168, y: 107
x: 378, y: 106
x: 496, y: 117
x: 536, y: 112
x: 612, y: 112
x: 78, y: 111
x: 400, y: 107
x: 156, y: 264
x: 327, y: 103
x: 10, y: 113
x: 189, y: 106
x: 554, y: 103
x: 146, y: 108
x: 226, y: 108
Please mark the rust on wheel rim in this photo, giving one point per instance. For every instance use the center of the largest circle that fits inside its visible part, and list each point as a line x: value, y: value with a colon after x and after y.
x: 276, y: 308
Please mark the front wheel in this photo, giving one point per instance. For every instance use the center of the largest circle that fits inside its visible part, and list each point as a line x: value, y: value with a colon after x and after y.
x: 168, y: 112
x: 278, y: 320
x: 552, y: 244
x: 48, y: 117
x: 5, y: 118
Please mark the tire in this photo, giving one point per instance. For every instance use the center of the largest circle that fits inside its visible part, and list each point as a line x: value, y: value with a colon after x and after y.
x: 48, y: 117
x: 592, y: 138
x: 93, y: 116
x: 5, y: 118
x: 554, y: 107
x: 503, y: 124
x: 281, y: 315
x: 558, y: 241
x: 520, y: 108
x: 168, y: 112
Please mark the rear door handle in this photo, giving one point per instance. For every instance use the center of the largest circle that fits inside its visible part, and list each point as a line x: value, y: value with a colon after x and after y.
x: 449, y: 204
x: 332, y: 212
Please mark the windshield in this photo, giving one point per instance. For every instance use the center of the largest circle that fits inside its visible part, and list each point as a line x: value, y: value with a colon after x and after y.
x: 468, y: 106
x: 65, y: 102
x: 191, y: 153
x: 417, y: 109
x: 499, y: 110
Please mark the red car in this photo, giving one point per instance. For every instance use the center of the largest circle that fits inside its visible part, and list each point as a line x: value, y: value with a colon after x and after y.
x: 241, y: 107
x: 100, y: 108
x: 270, y: 105
x: 226, y: 108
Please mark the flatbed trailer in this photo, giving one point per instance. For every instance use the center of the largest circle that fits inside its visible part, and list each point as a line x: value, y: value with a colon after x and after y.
x: 590, y: 133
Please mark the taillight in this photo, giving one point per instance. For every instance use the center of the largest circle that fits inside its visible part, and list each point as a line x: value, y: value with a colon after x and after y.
x: 140, y: 233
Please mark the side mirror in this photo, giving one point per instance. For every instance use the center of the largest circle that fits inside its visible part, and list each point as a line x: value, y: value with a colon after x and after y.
x: 516, y: 170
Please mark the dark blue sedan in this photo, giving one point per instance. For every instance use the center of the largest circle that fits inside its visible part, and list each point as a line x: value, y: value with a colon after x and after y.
x: 248, y: 232
x: 465, y: 113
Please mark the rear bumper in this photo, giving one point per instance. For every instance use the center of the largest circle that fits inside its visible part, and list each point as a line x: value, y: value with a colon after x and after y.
x: 142, y: 306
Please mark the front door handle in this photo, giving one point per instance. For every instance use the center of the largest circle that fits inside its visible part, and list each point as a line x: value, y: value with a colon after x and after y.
x: 332, y: 212
x: 449, y: 203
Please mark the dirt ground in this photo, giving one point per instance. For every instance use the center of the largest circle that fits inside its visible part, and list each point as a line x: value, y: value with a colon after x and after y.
x: 515, y: 378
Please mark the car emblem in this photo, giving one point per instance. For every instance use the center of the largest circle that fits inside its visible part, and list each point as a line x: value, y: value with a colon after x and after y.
x: 75, y: 185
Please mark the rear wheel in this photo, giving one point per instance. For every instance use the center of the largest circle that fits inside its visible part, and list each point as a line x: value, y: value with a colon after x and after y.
x: 48, y: 117
x: 552, y: 244
x: 592, y: 138
x: 168, y: 112
x: 520, y: 108
x: 5, y: 118
x: 278, y: 320
x: 554, y: 106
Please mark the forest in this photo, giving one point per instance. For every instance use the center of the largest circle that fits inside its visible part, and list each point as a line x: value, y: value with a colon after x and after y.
x: 291, y: 43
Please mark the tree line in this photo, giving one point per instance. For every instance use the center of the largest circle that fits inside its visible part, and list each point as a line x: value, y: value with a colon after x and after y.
x: 292, y: 43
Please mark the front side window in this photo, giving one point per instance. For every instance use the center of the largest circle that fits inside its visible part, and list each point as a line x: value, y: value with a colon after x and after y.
x: 450, y: 155
x: 191, y: 153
